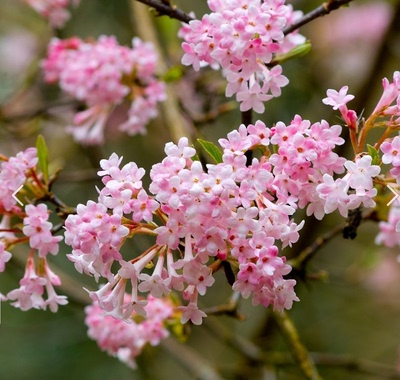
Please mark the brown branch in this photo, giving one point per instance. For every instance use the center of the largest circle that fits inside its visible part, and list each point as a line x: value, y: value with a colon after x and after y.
x: 300, y: 261
x: 384, y: 54
x: 256, y: 355
x: 41, y: 111
x: 166, y: 9
x: 308, y: 253
x: 356, y: 365
x: 322, y: 10
x: 198, y: 366
x: 300, y: 354
x: 229, y: 308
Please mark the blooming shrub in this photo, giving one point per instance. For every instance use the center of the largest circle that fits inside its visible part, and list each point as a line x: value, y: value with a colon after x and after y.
x: 236, y: 207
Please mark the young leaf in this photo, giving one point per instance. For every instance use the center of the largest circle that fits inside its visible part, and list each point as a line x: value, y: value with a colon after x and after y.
x: 173, y: 74
x: 212, y: 150
x: 296, y: 52
x: 376, y: 160
x: 43, y: 157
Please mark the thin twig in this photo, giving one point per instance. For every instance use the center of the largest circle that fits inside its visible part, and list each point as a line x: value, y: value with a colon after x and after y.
x: 191, y: 360
x: 169, y: 10
x: 229, y: 308
x: 41, y: 111
x: 300, y: 354
x: 308, y: 253
x: 384, y: 54
x: 255, y: 354
x: 177, y: 125
x: 350, y: 363
x: 322, y: 10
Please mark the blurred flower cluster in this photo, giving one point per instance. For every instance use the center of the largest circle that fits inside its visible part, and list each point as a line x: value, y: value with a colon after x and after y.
x: 102, y: 74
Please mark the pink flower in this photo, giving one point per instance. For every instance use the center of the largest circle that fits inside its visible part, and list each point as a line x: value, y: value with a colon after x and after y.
x: 361, y: 172
x: 391, y: 152
x: 391, y: 91
x: 5, y: 256
x: 198, y: 275
x: 253, y: 98
x: 337, y: 99
x: 37, y: 227
x: 54, y: 10
x: 192, y: 313
x: 103, y: 74
x: 334, y: 194
x: 126, y: 340
x: 241, y: 38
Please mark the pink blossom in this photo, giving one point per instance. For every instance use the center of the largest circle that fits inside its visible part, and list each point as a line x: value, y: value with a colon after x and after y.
x: 198, y: 275
x: 5, y: 256
x: 253, y: 98
x: 192, y: 313
x: 337, y: 99
x: 241, y: 38
x: 391, y: 91
x: 361, y: 172
x: 126, y: 340
x: 37, y: 227
x: 334, y: 193
x: 103, y: 74
x: 391, y: 150
x: 54, y: 10
x: 13, y: 174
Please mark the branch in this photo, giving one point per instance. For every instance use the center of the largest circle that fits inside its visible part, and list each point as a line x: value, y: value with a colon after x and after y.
x: 357, y: 365
x: 191, y: 360
x: 322, y: 10
x: 176, y: 124
x: 348, y: 229
x: 306, y: 254
x: 166, y: 9
x: 299, y: 352
x: 44, y: 110
x: 256, y: 355
x: 229, y: 308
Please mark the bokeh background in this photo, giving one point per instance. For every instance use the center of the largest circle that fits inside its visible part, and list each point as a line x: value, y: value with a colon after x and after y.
x: 351, y: 312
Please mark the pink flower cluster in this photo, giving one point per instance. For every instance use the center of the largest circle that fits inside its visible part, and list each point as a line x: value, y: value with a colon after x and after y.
x: 356, y: 188
x: 241, y: 37
x: 386, y: 114
x: 384, y: 107
x: 234, y: 211
x: 33, y: 285
x: 13, y: 174
x: 126, y: 339
x: 54, y: 10
x: 37, y: 231
x: 389, y: 232
x: 103, y: 74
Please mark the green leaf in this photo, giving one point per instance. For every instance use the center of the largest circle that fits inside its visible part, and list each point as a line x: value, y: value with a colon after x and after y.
x: 376, y: 160
x: 212, y: 150
x: 43, y: 156
x: 173, y: 74
x: 297, y: 52
x: 196, y: 156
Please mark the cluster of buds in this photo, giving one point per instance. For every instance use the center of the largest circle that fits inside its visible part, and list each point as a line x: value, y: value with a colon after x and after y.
x: 242, y: 37
x: 103, y: 74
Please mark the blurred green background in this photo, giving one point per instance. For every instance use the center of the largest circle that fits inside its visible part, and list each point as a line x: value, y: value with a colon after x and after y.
x: 354, y: 311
